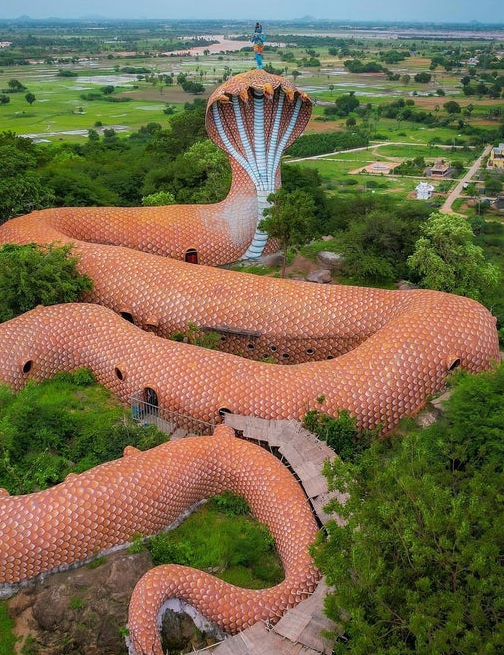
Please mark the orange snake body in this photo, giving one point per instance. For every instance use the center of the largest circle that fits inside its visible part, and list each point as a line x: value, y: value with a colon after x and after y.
x: 145, y: 492
x: 379, y: 354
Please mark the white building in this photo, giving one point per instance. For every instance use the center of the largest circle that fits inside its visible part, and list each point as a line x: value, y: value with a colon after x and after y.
x: 424, y: 191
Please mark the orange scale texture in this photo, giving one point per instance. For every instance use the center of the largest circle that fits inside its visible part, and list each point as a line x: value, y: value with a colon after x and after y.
x: 379, y: 354
x: 398, y: 366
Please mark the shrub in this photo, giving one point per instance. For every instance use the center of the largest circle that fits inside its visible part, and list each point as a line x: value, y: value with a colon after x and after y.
x: 340, y: 433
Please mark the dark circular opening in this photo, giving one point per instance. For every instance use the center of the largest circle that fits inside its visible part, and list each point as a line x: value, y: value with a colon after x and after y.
x: 455, y: 364
x: 127, y: 316
x: 191, y: 256
x: 223, y: 411
x: 273, y: 349
x: 27, y: 366
x: 310, y: 351
x: 330, y: 356
x: 223, y: 339
x: 285, y: 356
x: 250, y: 346
x: 119, y: 373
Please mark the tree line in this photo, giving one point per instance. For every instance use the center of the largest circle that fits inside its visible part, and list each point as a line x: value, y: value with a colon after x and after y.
x: 417, y: 565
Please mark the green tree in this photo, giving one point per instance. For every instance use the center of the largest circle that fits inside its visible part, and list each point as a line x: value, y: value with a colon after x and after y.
x: 75, y: 187
x: 295, y: 176
x: 452, y: 107
x: 469, y: 109
x: 21, y: 189
x: 417, y: 566
x: 66, y: 72
x: 193, y: 87
x: 32, y: 275
x: 201, y: 174
x: 446, y: 258
x: 30, y: 98
x: 377, y: 244
x: 158, y: 199
x: 423, y: 77
x: 4, y: 99
x: 16, y: 86
x: 186, y: 128
x: 340, y: 433
x: 290, y: 219
x: 493, y: 186
x: 346, y: 103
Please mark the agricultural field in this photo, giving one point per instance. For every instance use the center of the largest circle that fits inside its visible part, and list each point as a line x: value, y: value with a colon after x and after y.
x: 58, y: 84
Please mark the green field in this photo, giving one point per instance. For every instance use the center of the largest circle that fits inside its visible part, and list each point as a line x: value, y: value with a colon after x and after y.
x: 66, y: 108
x: 59, y: 108
x: 61, y: 112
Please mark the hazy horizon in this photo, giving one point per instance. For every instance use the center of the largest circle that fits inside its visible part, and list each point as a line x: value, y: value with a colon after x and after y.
x: 429, y: 11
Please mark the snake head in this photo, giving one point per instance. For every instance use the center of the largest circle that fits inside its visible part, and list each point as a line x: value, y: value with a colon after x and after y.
x: 244, y: 94
x: 268, y: 90
x: 289, y: 94
x: 244, y: 84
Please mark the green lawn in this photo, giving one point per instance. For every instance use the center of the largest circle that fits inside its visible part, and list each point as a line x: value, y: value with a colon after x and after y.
x: 59, y: 106
x: 7, y: 640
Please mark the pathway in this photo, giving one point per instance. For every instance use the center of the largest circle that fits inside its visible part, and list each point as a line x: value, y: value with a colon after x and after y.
x: 299, y: 631
x: 453, y: 195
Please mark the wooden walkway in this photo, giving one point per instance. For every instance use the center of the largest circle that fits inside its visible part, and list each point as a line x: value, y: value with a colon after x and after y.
x: 299, y: 631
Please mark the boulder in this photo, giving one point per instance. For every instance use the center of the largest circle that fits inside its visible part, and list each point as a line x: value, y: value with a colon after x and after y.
x: 404, y: 285
x: 82, y: 610
x: 320, y: 276
x: 271, y: 261
x: 330, y: 260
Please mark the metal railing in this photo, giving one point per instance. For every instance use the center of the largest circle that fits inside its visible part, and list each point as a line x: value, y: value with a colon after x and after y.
x: 166, y: 420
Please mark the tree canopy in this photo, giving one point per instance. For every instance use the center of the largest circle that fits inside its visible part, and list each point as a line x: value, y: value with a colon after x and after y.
x: 446, y: 258
x: 417, y: 567
x: 32, y: 275
x: 289, y: 219
x: 65, y: 424
x: 21, y: 189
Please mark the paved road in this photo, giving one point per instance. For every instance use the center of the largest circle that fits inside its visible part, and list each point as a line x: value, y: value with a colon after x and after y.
x: 453, y: 195
x: 371, y: 147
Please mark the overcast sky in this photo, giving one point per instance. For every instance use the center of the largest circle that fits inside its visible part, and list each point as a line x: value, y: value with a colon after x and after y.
x: 485, y: 11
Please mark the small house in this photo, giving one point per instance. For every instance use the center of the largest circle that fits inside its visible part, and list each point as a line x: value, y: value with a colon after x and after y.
x: 440, y: 168
x: 496, y: 157
x: 424, y: 191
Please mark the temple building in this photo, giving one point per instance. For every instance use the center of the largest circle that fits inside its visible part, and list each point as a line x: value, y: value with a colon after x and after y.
x: 496, y: 158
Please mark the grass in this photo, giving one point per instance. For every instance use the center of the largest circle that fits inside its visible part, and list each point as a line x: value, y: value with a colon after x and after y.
x: 58, y: 103
x: 226, y: 542
x: 7, y: 624
x: 58, y: 99
x: 67, y: 423
x: 335, y: 174
x: 60, y: 109
x: 311, y: 250
x: 255, y: 269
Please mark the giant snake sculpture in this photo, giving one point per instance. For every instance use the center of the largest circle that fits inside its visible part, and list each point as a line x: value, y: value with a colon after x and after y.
x: 379, y: 354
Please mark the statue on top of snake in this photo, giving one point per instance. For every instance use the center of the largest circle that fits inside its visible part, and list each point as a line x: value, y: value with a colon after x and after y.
x: 377, y: 353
